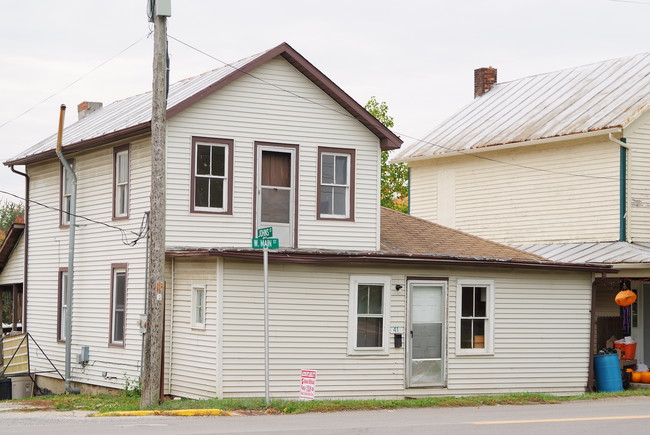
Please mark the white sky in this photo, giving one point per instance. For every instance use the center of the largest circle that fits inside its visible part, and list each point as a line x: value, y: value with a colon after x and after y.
x: 416, y: 55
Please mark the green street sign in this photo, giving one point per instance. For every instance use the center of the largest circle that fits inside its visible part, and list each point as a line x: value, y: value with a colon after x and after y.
x: 264, y: 243
x: 265, y: 232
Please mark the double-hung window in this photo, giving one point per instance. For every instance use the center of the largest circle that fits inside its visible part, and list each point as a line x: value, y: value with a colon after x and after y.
x: 62, y: 304
x: 475, y: 317
x: 121, y: 182
x: 336, y: 183
x: 369, y: 315
x: 65, y: 200
x: 118, y: 304
x: 198, y: 307
x: 212, y: 175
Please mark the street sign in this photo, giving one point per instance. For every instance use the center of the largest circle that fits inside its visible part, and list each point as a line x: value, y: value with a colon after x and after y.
x: 265, y: 232
x: 264, y: 243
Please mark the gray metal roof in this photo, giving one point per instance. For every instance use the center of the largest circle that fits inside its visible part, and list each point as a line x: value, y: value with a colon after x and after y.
x: 588, y: 98
x: 132, y: 111
x: 615, y: 253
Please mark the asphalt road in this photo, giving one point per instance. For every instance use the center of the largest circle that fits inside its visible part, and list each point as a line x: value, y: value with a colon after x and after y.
x: 606, y: 416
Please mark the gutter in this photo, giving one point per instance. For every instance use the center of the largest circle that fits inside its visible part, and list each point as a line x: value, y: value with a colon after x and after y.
x: 26, y: 238
x: 73, y: 225
x: 510, y: 145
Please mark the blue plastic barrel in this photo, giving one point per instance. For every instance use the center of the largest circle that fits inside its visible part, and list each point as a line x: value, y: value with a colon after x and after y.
x: 608, y: 373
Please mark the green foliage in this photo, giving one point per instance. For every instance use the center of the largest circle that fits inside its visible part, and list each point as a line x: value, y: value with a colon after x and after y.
x: 9, y: 211
x: 394, y: 176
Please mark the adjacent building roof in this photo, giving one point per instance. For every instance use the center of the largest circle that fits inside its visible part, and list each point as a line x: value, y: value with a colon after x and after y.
x: 12, y: 237
x: 407, y: 240
x: 617, y: 253
x: 589, y: 98
x: 132, y: 116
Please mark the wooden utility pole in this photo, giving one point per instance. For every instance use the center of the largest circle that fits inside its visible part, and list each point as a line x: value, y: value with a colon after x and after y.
x: 153, y: 338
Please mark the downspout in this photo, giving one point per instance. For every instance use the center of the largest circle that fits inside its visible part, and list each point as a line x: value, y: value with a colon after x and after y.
x: 622, y: 186
x: 73, y: 225
x: 26, y: 245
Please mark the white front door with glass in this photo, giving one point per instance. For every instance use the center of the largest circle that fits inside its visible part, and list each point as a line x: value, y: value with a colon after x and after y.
x: 425, y: 335
x: 276, y: 196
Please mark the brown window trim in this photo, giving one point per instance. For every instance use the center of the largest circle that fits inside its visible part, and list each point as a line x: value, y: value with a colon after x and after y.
x: 352, y: 153
x: 296, y: 188
x: 61, y: 171
x: 60, y: 296
x: 114, y: 267
x: 230, y: 146
x: 117, y: 150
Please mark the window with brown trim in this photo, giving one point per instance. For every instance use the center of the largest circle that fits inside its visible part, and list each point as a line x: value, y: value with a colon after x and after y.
x: 61, y: 304
x: 336, y: 183
x: 211, y: 189
x: 65, y: 195
x: 121, y: 182
x: 118, y: 304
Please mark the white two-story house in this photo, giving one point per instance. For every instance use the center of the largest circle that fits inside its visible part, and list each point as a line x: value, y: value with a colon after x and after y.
x: 378, y: 303
x: 556, y: 164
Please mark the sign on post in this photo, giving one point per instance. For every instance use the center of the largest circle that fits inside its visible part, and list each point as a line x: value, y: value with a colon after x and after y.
x: 307, y: 384
x: 265, y: 232
x: 263, y: 243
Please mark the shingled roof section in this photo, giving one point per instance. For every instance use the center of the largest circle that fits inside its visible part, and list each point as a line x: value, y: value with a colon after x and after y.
x: 401, y: 233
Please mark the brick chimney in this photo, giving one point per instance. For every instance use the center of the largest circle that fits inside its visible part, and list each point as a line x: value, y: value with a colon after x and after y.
x: 86, y: 108
x: 484, y: 79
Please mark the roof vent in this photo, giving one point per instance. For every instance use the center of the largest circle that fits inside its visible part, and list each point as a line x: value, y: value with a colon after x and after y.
x: 484, y: 79
x: 87, y: 107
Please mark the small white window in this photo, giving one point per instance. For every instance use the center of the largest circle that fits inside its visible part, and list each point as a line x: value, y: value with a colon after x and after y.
x: 63, y: 306
x: 66, y: 194
x: 211, y: 177
x: 121, y: 206
x: 368, y: 324
x: 198, y: 307
x: 119, y: 306
x: 335, y: 185
x: 475, y: 317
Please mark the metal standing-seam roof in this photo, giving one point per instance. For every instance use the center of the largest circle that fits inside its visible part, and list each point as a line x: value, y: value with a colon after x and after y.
x: 617, y: 253
x: 589, y: 98
x: 132, y: 115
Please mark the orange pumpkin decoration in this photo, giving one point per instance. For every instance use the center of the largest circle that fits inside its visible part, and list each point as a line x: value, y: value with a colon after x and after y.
x: 636, y: 377
x: 645, y: 377
x: 625, y: 298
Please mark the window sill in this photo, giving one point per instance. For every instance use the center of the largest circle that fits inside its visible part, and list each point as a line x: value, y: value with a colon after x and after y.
x: 470, y: 354
x: 369, y: 352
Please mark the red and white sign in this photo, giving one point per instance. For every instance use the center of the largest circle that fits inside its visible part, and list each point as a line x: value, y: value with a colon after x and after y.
x: 307, y: 384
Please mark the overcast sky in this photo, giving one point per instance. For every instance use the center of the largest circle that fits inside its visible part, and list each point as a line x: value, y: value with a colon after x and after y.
x: 418, y: 56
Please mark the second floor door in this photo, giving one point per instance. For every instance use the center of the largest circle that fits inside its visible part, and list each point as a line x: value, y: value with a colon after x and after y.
x: 276, y: 191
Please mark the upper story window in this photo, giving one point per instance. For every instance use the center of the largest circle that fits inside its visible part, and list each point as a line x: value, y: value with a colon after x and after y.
x: 211, y: 188
x: 65, y: 199
x: 475, y: 317
x: 336, y: 183
x: 121, y: 189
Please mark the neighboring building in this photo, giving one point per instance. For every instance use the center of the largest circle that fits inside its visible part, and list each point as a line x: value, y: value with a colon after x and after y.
x: 557, y: 164
x: 365, y: 296
x: 12, y: 266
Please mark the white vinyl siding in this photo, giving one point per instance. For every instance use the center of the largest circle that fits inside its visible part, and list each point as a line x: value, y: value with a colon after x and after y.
x: 536, y: 315
x: 563, y: 192
x: 250, y: 110
x: 13, y: 270
x: 96, y: 248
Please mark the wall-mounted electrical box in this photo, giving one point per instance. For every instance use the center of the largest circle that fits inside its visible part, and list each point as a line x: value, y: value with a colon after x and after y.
x: 84, y: 355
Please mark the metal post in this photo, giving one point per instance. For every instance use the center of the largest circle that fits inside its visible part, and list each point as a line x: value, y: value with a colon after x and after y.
x: 266, y: 327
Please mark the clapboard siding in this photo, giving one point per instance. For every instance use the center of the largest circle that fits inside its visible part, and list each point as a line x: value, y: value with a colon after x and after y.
x: 638, y: 139
x: 549, y: 193
x: 97, y: 247
x: 249, y: 110
x: 12, y: 273
x: 540, y: 337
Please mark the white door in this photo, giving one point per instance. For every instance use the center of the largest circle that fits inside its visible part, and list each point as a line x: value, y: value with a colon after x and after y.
x: 425, y: 335
x: 276, y: 195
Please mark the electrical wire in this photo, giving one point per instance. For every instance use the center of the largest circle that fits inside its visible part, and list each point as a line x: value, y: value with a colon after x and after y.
x: 140, y: 234
x: 73, y: 82
x: 531, y: 168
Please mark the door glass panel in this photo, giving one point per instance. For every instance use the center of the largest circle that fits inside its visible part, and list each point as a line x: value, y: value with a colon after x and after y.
x: 426, y: 372
x: 276, y: 205
x: 276, y: 169
x: 426, y: 331
x: 426, y: 343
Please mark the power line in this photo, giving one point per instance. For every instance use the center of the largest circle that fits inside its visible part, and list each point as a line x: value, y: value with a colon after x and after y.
x: 73, y: 82
x: 142, y: 232
x: 531, y: 168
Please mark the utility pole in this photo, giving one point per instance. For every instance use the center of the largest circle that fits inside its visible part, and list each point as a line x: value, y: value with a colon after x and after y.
x: 159, y: 10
